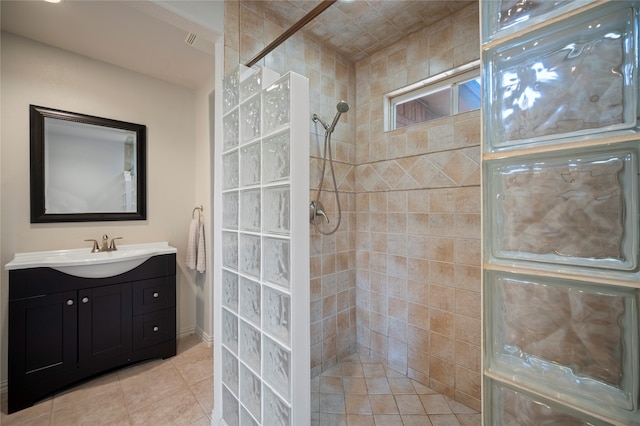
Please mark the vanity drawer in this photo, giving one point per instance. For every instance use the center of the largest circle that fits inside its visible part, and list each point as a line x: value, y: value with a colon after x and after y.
x: 153, y: 328
x: 153, y: 295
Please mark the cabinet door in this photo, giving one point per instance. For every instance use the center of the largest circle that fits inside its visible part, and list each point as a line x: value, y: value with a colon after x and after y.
x: 42, y: 338
x: 104, y: 329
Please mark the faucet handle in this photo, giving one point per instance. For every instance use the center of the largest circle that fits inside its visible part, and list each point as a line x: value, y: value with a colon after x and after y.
x: 113, y: 247
x: 95, y: 248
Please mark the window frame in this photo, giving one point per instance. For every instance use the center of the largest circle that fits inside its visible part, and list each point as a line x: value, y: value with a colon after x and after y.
x: 448, y: 79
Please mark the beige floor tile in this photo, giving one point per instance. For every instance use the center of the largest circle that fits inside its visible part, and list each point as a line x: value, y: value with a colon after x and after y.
x: 87, y: 389
x: 409, y: 404
x: 390, y: 372
x: 177, y: 409
x: 203, y: 391
x: 39, y: 413
x: 435, y: 404
x: 444, y: 420
x: 401, y: 386
x: 335, y: 371
x: 357, y: 404
x: 352, y: 369
x: 377, y: 385
x: 194, y: 362
x: 333, y: 419
x: 331, y: 384
x: 153, y: 383
x: 100, y: 409
x: 383, y: 404
x: 458, y: 408
x: 474, y: 419
x: 354, y: 385
x: 388, y: 420
x: 332, y: 403
x: 202, y: 421
x: 360, y: 420
x: 422, y: 389
x: 415, y: 420
x: 373, y: 370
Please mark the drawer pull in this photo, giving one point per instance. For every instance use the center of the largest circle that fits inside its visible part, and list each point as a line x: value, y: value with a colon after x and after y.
x: 156, y: 294
x: 70, y: 302
x: 85, y: 299
x: 155, y: 329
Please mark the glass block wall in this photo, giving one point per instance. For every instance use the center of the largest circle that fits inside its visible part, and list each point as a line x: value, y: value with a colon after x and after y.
x: 561, y: 277
x: 261, y: 296
x: 561, y: 149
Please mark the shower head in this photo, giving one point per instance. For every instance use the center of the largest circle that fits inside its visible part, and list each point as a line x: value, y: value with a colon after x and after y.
x: 342, y: 107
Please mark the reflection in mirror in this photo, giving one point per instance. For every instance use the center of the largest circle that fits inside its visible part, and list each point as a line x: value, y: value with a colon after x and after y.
x: 86, y: 168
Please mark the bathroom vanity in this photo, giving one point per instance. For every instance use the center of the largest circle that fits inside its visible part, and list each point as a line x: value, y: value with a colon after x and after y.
x: 67, y: 326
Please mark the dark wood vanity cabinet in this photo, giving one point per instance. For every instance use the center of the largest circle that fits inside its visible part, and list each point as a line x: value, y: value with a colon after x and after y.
x: 63, y: 328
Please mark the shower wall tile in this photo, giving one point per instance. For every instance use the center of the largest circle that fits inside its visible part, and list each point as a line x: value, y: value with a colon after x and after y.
x: 418, y: 230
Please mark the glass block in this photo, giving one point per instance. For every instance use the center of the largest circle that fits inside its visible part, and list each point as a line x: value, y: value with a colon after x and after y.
x: 510, y: 407
x: 276, y: 105
x: 246, y: 419
x: 230, y: 370
x: 250, y: 164
x: 250, y: 391
x: 572, y: 207
x: 231, y: 134
x: 230, y: 210
x: 504, y: 17
x: 275, y: 157
x: 230, y: 250
x: 577, y: 78
x: 230, y: 290
x: 549, y: 333
x: 230, y: 330
x: 230, y: 410
x: 250, y: 346
x: 276, y: 210
x: 249, y: 255
x: 250, y: 120
x: 277, y: 314
x: 276, y: 411
x: 251, y: 85
x: 231, y: 91
x: 250, y: 210
x: 250, y: 300
x: 276, y: 261
x: 277, y: 367
x: 230, y: 170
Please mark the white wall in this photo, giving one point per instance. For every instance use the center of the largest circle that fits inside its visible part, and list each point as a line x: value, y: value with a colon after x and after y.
x: 34, y: 73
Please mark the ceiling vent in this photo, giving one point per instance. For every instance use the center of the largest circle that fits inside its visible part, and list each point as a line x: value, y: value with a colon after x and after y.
x: 199, y: 43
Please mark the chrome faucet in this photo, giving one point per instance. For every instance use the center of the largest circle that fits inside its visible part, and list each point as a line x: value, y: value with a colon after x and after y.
x: 105, y: 246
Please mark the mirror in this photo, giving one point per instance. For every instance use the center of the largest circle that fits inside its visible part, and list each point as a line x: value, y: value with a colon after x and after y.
x: 86, y: 168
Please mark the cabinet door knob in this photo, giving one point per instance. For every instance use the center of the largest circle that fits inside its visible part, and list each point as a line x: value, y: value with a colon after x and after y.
x: 85, y: 299
x: 70, y: 302
x: 155, y: 328
x: 156, y: 294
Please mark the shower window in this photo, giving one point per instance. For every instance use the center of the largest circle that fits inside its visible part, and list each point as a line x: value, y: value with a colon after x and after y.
x: 453, y: 92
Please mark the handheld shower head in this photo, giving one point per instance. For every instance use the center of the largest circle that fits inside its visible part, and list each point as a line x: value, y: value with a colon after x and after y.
x: 342, y: 107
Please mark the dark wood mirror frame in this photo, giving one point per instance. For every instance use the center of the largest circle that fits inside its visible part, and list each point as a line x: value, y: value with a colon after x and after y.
x: 37, y: 115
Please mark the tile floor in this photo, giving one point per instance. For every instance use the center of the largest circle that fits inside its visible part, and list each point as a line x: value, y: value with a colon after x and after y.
x: 179, y: 391
x: 362, y: 392
x: 174, y: 391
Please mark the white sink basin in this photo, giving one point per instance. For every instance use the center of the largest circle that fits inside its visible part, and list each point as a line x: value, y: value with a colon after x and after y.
x: 83, y: 263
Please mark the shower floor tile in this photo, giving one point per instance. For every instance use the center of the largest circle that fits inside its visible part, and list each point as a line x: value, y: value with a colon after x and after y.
x: 372, y: 394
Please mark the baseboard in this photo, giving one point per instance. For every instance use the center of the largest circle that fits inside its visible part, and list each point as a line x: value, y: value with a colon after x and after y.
x: 206, y: 338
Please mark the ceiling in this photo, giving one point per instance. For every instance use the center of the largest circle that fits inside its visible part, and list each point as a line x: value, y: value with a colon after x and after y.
x: 360, y: 28
x: 149, y: 36
x: 144, y: 36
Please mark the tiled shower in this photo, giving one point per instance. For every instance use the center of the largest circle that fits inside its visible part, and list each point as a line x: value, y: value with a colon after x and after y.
x: 400, y: 280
